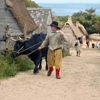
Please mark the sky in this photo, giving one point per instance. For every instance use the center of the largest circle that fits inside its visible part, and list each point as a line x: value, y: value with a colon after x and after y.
x: 67, y: 1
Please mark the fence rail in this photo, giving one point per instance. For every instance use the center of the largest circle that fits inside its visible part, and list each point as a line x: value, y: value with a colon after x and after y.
x: 7, y: 37
x: 2, y: 39
x: 2, y: 51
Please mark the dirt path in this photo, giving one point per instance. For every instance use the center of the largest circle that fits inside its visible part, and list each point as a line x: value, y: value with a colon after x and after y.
x: 80, y: 81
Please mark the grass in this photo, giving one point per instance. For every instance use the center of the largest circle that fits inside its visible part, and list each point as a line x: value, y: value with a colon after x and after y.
x: 11, y: 66
x: 65, y: 53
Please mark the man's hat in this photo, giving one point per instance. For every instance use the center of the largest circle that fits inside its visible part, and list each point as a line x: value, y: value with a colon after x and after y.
x: 55, y: 24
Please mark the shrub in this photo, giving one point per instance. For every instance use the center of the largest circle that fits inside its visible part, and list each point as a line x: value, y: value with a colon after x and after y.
x: 11, y: 66
x: 66, y: 54
x: 7, y: 69
x: 24, y: 63
x: 11, y: 70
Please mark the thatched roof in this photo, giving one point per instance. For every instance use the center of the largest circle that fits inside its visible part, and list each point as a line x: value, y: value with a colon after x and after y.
x: 82, y: 28
x: 74, y: 29
x: 21, y: 14
x: 95, y: 37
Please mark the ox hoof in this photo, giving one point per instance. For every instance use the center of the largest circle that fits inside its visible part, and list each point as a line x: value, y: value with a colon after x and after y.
x: 46, y: 68
x: 40, y: 68
x: 35, y: 71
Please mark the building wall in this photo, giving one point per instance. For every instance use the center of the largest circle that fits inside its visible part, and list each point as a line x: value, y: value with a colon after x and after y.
x: 69, y: 33
x: 6, y: 18
x: 42, y: 17
x: 94, y: 38
x: 93, y: 41
x: 84, y: 41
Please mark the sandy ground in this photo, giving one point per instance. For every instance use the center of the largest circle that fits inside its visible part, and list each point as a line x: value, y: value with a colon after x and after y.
x: 80, y: 81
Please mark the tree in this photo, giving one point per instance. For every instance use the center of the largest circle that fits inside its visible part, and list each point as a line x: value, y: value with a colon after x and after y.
x: 88, y: 18
x: 90, y: 11
x: 97, y: 24
x: 29, y: 3
x: 60, y: 19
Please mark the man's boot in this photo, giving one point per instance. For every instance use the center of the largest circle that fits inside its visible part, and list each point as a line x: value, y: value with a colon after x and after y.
x: 77, y: 54
x: 57, y: 73
x: 50, y: 71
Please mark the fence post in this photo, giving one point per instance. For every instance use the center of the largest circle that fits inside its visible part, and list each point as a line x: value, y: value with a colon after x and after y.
x: 7, y: 37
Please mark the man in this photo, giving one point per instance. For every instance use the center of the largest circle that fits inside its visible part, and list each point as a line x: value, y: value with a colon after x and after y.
x: 78, y: 47
x: 97, y: 45
x: 54, y: 56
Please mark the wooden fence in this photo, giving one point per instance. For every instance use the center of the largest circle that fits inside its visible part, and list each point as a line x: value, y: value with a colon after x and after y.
x: 7, y: 37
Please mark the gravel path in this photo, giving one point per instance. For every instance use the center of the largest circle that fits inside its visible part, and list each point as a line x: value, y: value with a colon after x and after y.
x: 80, y: 81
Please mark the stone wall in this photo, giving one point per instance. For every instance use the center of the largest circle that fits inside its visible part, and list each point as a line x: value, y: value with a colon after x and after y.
x: 42, y: 17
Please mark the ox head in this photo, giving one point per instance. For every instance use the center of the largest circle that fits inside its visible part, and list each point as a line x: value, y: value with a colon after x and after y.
x: 18, y: 47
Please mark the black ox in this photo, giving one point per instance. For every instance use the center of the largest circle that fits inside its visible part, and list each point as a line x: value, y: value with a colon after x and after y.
x: 30, y: 48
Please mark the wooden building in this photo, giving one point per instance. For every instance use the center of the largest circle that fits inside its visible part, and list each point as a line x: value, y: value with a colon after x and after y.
x: 14, y: 14
x: 73, y: 32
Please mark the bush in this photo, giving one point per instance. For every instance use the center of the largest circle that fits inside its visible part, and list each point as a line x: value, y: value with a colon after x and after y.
x: 31, y: 4
x: 24, y: 63
x: 11, y: 70
x: 7, y: 69
x: 65, y: 53
x: 11, y: 66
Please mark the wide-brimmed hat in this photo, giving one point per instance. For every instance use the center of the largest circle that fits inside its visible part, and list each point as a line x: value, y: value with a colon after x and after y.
x: 54, y: 23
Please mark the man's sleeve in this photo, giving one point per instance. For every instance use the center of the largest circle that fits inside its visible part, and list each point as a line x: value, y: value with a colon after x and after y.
x: 45, y: 42
x: 64, y: 38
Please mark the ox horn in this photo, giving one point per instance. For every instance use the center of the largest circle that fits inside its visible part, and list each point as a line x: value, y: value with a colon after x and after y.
x: 28, y: 37
x: 20, y: 38
x: 13, y: 39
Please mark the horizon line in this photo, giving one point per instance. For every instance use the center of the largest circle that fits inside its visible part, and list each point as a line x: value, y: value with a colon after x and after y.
x: 70, y: 2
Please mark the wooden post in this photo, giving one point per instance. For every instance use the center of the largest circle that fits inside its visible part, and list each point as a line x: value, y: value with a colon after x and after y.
x: 39, y: 29
x: 25, y: 29
x: 7, y: 36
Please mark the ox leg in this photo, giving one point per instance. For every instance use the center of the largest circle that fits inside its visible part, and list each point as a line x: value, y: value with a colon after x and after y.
x: 37, y: 62
x: 40, y: 65
x: 46, y: 68
x: 36, y: 70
